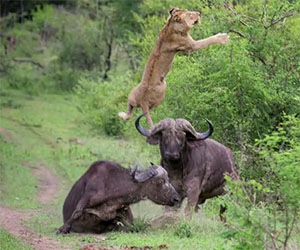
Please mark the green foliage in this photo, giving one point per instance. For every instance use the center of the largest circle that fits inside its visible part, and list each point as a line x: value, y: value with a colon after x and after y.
x: 228, y: 85
x: 103, y: 99
x: 85, y: 48
x: 183, y: 229
x: 265, y: 213
x: 44, y: 17
x: 249, y: 89
x: 139, y: 226
x: 51, y: 51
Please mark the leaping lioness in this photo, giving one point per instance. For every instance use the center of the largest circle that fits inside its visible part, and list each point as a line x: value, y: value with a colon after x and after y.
x: 173, y: 38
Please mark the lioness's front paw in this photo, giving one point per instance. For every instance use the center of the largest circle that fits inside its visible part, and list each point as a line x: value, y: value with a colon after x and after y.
x: 223, y: 38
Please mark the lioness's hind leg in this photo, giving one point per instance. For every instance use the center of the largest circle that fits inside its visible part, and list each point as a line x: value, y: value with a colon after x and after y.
x: 147, y: 114
x: 127, y: 116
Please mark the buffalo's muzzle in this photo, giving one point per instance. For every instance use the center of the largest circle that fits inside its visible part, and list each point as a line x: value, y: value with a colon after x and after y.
x: 172, y: 156
x: 176, y: 200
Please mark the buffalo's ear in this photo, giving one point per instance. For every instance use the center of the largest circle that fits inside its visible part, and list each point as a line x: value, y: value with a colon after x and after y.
x: 190, y: 136
x: 153, y: 139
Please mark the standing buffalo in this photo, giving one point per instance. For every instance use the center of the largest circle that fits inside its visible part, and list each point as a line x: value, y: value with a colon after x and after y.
x: 196, y: 165
x: 100, y: 199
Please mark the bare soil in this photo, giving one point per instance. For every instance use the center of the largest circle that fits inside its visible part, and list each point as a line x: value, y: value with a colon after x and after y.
x: 48, y: 183
x: 13, y: 220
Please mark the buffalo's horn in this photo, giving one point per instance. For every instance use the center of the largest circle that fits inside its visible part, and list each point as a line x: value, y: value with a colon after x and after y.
x: 203, y: 136
x: 132, y: 173
x: 142, y: 131
x: 146, y: 174
x: 187, y: 127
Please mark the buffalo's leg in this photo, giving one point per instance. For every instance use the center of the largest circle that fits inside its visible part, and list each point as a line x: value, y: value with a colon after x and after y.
x: 90, y: 200
x: 128, y: 216
x: 179, y: 188
x: 222, y: 211
x: 200, y: 202
x: 75, y: 215
x: 193, y: 191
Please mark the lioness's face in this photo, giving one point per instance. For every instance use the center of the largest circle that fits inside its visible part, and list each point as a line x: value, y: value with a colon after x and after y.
x: 188, y: 18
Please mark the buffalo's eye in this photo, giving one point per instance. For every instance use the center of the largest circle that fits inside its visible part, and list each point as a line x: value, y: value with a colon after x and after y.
x: 162, y: 181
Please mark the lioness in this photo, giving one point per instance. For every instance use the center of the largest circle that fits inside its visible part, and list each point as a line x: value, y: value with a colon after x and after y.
x: 173, y: 38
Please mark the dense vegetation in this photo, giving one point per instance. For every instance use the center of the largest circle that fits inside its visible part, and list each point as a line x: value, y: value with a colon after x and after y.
x: 249, y: 89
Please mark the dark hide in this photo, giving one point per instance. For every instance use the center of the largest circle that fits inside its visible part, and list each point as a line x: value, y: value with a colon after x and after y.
x: 99, y: 201
x: 196, y: 165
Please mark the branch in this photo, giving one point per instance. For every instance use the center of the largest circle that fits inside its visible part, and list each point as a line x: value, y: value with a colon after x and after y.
x: 275, y: 12
x: 264, y: 15
x: 286, y: 15
x: 235, y: 13
x: 289, y: 232
x: 109, y: 43
x: 259, y: 58
x: 250, y: 18
x: 238, y: 33
x: 28, y: 61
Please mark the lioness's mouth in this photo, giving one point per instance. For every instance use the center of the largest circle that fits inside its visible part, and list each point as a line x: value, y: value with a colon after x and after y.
x: 196, y: 22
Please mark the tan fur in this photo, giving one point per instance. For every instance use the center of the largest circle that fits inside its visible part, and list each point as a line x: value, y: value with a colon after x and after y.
x: 173, y: 38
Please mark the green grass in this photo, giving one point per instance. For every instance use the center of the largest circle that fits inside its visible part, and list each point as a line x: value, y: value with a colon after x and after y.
x: 13, y: 176
x: 8, y: 242
x: 42, y: 127
x: 204, y: 233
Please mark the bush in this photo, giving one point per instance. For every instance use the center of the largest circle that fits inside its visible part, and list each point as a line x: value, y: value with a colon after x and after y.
x: 183, y: 229
x: 102, y: 102
x: 265, y: 213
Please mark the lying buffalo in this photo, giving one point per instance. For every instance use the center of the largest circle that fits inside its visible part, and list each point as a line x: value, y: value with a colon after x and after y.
x: 196, y: 165
x: 100, y: 199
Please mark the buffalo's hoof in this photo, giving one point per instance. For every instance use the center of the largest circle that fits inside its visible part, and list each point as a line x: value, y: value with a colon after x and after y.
x: 63, y: 230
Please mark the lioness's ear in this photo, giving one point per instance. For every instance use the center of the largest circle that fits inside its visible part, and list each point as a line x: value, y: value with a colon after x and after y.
x: 172, y: 10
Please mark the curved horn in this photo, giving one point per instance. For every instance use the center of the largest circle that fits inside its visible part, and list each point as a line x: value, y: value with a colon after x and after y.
x: 187, y: 127
x: 206, y: 134
x: 146, y: 174
x: 132, y: 173
x: 142, y: 131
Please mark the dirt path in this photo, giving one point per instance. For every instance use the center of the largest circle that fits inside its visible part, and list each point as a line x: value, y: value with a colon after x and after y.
x: 48, y: 184
x: 13, y: 220
x: 6, y: 135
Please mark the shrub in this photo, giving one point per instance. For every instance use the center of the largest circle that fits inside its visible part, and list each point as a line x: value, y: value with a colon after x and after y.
x: 183, y: 229
x: 102, y: 102
x: 139, y: 226
x: 265, y: 213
